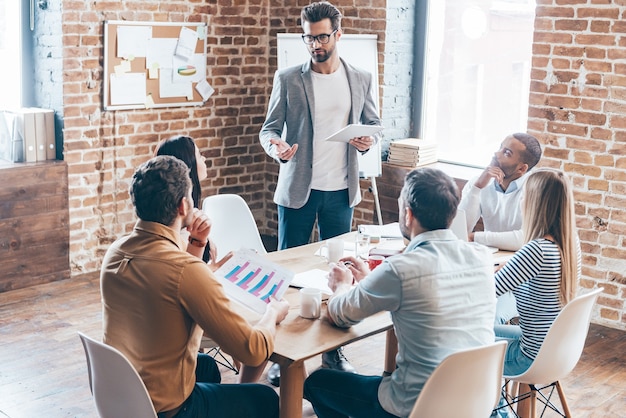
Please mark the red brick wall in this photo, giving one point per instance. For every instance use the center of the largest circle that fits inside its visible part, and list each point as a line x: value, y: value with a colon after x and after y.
x: 578, y: 107
x: 102, y: 149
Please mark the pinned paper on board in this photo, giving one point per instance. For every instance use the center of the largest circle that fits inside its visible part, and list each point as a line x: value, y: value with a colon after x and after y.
x: 171, y: 56
x: 132, y: 41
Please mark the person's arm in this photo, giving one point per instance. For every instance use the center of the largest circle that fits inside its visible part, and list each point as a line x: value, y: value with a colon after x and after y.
x: 507, y: 240
x: 470, y: 203
x: 369, y: 116
x: 199, y: 230
x: 380, y: 291
x: 203, y: 297
x: 273, y: 126
x: 523, y: 266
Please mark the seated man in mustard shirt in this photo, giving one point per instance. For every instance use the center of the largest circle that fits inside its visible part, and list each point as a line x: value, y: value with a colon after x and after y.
x: 158, y: 300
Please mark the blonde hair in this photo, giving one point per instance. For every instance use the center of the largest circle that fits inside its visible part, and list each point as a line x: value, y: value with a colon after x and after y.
x: 549, y: 210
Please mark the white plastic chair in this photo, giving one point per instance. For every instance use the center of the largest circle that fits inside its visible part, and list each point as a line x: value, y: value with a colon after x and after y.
x: 117, y: 388
x: 557, y: 357
x: 465, y: 384
x: 233, y: 226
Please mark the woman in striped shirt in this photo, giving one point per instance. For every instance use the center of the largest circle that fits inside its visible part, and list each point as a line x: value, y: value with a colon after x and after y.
x: 543, y: 274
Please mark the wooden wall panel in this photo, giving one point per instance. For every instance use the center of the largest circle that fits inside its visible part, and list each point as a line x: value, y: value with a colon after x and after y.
x: 34, y: 224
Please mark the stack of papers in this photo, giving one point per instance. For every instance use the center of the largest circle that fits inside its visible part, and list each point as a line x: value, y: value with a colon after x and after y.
x: 412, y: 152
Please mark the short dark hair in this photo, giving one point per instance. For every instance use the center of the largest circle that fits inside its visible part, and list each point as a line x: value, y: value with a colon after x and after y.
x: 157, y: 188
x: 432, y: 196
x: 532, y: 155
x: 318, y: 11
x: 184, y: 148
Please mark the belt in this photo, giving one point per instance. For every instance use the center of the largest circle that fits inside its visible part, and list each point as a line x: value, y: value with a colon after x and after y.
x: 169, y: 414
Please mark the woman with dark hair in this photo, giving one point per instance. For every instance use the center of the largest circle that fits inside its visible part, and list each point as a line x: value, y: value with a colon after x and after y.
x: 185, y: 149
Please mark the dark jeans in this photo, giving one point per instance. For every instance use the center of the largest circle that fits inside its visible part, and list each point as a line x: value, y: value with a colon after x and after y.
x: 331, y: 209
x: 337, y: 394
x: 210, y: 398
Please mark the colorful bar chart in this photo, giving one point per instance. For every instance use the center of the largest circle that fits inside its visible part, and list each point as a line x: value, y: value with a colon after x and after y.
x: 252, y: 280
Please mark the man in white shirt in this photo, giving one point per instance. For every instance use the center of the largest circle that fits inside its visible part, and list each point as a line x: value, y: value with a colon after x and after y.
x: 495, y: 196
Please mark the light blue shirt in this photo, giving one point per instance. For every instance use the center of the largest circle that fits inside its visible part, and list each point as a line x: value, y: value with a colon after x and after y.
x: 441, y: 296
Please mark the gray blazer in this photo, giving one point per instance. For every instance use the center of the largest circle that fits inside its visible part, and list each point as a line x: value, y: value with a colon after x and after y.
x: 290, y: 117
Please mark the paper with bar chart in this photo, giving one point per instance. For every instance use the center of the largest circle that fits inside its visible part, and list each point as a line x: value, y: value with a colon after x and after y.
x: 250, y: 279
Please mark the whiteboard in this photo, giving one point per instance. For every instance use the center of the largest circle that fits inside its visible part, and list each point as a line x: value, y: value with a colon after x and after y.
x: 358, y: 50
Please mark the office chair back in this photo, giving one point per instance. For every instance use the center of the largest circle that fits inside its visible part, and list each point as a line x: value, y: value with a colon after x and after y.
x: 233, y: 226
x: 563, y: 344
x: 117, y: 388
x: 557, y: 357
x: 466, y: 383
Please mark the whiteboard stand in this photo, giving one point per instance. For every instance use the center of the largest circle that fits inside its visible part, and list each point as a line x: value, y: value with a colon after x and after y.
x: 376, y: 200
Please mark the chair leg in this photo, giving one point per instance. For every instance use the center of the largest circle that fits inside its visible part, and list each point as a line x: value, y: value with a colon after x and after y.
x: 564, y: 405
x: 526, y: 407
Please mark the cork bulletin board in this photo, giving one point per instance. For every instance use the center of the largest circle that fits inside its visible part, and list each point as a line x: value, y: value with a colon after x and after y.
x: 154, y: 64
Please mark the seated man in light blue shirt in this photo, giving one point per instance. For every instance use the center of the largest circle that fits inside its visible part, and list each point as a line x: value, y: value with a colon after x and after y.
x: 495, y: 196
x: 440, y: 293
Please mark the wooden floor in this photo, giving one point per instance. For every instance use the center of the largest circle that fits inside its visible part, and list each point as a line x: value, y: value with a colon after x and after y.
x: 43, y: 371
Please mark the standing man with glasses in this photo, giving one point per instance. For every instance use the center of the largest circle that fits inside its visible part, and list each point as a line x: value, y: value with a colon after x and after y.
x: 318, y: 179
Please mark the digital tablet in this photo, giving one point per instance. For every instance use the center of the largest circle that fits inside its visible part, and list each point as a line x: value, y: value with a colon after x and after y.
x: 354, y: 130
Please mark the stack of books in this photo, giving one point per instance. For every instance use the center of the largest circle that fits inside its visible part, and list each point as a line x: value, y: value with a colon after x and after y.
x: 412, y: 152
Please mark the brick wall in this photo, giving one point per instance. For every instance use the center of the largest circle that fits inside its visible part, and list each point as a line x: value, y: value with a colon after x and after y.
x: 102, y: 149
x: 578, y: 108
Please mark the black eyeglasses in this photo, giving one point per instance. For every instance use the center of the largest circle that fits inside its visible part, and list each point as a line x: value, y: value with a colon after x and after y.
x: 322, y: 38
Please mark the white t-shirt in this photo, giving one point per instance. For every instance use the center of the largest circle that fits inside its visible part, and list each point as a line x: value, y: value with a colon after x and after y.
x: 331, y: 94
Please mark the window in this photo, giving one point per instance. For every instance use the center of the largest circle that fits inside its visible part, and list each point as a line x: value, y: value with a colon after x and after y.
x: 476, y: 76
x: 10, y: 55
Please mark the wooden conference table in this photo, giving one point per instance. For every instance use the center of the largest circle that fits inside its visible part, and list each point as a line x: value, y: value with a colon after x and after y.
x: 298, y: 339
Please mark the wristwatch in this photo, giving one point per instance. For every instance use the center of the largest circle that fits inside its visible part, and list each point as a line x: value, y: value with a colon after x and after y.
x: 197, y: 243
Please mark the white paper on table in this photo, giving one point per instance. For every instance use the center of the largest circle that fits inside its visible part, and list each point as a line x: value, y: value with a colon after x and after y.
x: 169, y: 89
x: 391, y: 230
x: 186, y: 43
x: 160, y: 52
x: 315, y: 278
x: 354, y: 130
x: 128, y: 88
x: 132, y: 41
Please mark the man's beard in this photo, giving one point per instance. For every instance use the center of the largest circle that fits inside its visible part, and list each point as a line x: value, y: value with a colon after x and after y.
x: 323, y: 57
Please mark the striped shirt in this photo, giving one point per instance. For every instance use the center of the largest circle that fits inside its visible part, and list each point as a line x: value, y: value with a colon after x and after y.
x: 534, y: 276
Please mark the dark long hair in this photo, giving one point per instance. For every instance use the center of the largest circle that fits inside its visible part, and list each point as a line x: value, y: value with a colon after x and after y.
x: 183, y: 148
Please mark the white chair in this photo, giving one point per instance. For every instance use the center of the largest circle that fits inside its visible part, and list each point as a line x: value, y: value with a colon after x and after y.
x: 233, y: 226
x: 557, y: 357
x: 117, y: 388
x: 465, y: 384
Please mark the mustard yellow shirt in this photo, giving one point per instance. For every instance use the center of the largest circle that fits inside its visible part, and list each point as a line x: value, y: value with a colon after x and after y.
x: 157, y: 299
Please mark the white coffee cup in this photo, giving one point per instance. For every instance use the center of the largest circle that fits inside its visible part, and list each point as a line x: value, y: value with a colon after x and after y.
x: 334, y: 249
x: 310, y: 302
